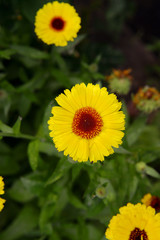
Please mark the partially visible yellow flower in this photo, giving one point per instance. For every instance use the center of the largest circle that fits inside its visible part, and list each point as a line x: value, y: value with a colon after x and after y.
x: 147, y: 99
x: 134, y: 222
x: 88, y: 123
x: 152, y: 201
x: 2, y: 201
x: 57, y: 23
x: 120, y: 81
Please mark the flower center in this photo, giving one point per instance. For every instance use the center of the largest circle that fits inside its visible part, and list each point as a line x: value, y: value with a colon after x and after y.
x: 87, y: 123
x: 57, y: 23
x: 155, y: 203
x: 137, y: 234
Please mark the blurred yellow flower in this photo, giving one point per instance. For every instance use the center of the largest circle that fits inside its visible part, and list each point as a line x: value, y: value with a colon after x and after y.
x: 2, y: 201
x: 152, y: 201
x: 88, y: 123
x: 57, y: 23
x: 135, y: 222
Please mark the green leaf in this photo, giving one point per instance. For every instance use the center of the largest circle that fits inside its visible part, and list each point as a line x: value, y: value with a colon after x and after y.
x: 30, y: 52
x: 4, y: 128
x: 33, y: 154
x: 152, y: 172
x: 62, y: 167
x: 75, y: 201
x: 32, y: 184
x: 20, y: 194
x: 24, y: 223
x: 135, y: 130
x: 16, y: 126
x: 121, y: 150
x: 6, y: 54
x: 61, y: 77
x: 49, y: 149
x: 133, y: 187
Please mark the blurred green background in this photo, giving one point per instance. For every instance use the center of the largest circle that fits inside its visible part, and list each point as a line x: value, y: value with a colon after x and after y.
x: 48, y: 196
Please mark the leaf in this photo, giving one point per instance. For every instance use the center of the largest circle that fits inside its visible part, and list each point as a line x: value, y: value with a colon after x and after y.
x: 49, y: 149
x: 4, y: 128
x: 133, y: 187
x: 33, y: 154
x: 24, y: 223
x: 152, y: 172
x: 6, y: 54
x: 16, y: 126
x: 35, y: 186
x: 121, y: 150
x: 20, y: 194
x: 75, y: 201
x: 135, y: 130
x: 30, y: 52
x: 62, y: 167
x: 61, y: 77
x: 47, y: 115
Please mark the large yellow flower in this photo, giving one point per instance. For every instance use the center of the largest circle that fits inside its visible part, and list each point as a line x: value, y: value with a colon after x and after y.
x: 135, y: 222
x: 2, y: 201
x: 88, y: 123
x: 57, y: 23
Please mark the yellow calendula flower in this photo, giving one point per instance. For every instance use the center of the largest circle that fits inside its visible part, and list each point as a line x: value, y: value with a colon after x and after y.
x: 152, y: 201
x: 88, y: 123
x: 57, y: 23
x: 134, y: 222
x: 2, y: 201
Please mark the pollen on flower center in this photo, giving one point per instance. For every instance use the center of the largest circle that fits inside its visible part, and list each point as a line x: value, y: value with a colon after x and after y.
x: 138, y: 234
x: 57, y: 23
x: 87, y: 123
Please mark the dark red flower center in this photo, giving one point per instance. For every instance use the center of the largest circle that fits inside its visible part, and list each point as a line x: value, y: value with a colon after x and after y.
x: 138, y: 234
x: 57, y: 23
x: 155, y: 203
x: 87, y: 123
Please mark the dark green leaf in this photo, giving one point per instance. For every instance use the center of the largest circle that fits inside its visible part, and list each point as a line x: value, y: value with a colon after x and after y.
x: 33, y: 153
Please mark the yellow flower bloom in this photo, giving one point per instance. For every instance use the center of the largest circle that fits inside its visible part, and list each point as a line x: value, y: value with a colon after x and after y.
x: 135, y: 222
x: 57, y: 23
x: 2, y: 201
x: 152, y: 201
x: 88, y: 123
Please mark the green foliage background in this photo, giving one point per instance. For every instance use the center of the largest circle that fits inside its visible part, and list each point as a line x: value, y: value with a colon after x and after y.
x: 48, y: 196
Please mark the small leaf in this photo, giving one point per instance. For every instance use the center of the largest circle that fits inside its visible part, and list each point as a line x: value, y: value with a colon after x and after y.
x: 133, y: 187
x: 60, y: 170
x: 135, y: 130
x: 49, y: 149
x: 30, y: 52
x: 6, y: 53
x: 75, y: 201
x: 121, y: 150
x: 33, y: 153
x: 16, y: 126
x: 152, y: 172
x: 4, y: 128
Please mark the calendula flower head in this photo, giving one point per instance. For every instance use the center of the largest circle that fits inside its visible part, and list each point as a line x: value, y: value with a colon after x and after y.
x: 88, y: 123
x: 152, y: 201
x: 57, y: 23
x: 134, y: 222
x: 2, y: 201
x: 147, y: 99
x: 120, y: 81
x: 101, y: 192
